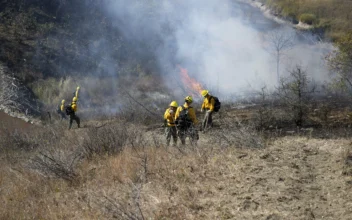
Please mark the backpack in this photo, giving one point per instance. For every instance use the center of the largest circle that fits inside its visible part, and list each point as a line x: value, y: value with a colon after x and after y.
x: 183, y: 120
x: 69, y: 110
x: 217, y: 104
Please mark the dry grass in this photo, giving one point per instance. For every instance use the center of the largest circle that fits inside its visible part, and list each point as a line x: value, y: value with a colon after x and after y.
x: 291, y: 178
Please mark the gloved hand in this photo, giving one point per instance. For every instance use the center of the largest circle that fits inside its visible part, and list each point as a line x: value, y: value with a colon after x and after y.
x: 201, y: 110
x: 208, y: 111
x: 171, y: 111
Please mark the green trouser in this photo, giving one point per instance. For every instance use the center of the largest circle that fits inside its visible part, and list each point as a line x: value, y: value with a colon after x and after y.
x: 74, y: 117
x: 191, y: 132
x: 171, y: 131
x: 207, y: 121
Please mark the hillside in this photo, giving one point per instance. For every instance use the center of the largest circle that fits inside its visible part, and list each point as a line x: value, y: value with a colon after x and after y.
x: 134, y: 176
x: 284, y: 153
x: 52, y: 46
x: 330, y: 16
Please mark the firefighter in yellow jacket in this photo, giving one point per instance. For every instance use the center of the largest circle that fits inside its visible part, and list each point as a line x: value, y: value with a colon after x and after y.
x: 185, y: 119
x: 208, y: 106
x: 62, y: 110
x: 72, y: 112
x: 169, y: 117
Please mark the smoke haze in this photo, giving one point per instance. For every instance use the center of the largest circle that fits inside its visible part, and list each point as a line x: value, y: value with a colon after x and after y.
x: 220, y: 45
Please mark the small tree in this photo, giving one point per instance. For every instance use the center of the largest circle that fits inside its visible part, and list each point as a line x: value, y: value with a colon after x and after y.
x: 340, y: 62
x: 295, y: 93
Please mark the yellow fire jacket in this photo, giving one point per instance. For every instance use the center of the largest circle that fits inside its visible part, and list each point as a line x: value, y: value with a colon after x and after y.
x: 74, y: 106
x: 191, y: 113
x: 62, y: 107
x: 169, y: 117
x: 208, y: 103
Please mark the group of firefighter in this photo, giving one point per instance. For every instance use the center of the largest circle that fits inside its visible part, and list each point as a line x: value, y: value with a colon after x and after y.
x: 70, y: 109
x: 181, y: 120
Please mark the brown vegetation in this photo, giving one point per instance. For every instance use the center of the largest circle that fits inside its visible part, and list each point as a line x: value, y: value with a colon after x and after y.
x: 332, y: 15
x: 123, y: 170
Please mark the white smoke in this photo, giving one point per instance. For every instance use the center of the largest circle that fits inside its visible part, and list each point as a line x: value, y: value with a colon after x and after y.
x: 213, y: 39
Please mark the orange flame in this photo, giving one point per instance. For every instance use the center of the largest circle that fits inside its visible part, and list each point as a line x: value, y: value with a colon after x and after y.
x: 192, y: 86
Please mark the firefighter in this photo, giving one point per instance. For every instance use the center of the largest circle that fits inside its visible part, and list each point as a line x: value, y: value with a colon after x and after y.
x: 185, y: 119
x: 169, y: 117
x: 71, y: 111
x: 208, y: 106
x: 61, y: 110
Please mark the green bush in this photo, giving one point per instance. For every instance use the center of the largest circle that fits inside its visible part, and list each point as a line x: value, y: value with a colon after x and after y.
x: 290, y: 14
x: 308, y: 18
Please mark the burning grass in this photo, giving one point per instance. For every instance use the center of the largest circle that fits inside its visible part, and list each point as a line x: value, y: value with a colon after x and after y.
x: 192, y: 86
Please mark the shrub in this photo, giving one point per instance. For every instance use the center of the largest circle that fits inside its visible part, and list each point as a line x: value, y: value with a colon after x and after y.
x: 105, y: 140
x: 57, y: 163
x: 308, y: 18
x: 234, y: 133
x: 290, y: 13
x: 15, y: 141
x: 295, y: 94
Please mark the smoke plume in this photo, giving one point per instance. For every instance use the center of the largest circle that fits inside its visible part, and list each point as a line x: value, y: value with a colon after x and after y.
x: 220, y: 42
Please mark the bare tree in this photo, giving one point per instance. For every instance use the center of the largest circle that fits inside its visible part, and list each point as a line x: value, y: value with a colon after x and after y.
x: 295, y: 93
x: 278, y: 42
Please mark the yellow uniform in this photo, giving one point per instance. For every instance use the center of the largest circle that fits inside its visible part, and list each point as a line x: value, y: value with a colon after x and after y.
x: 62, y: 110
x: 169, y: 117
x: 187, y: 130
x: 73, y: 116
x: 191, y: 113
x: 208, y: 103
x: 62, y: 107
x: 74, y: 106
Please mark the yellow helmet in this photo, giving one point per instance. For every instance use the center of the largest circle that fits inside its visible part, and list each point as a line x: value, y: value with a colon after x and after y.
x: 63, y: 101
x: 189, y: 99
x: 75, y: 99
x: 204, y: 93
x: 174, y: 104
